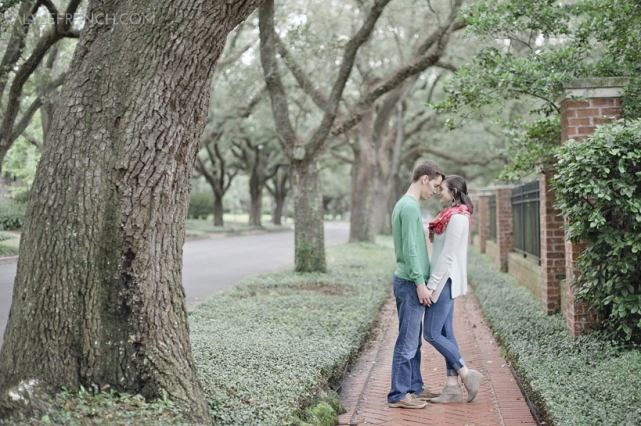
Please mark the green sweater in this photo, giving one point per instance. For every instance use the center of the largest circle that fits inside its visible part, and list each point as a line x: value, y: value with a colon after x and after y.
x: 410, y: 247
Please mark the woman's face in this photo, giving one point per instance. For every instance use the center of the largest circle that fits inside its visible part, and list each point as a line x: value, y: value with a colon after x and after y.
x: 444, y: 194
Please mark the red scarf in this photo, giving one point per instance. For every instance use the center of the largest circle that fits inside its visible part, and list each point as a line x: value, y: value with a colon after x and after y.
x: 438, y: 225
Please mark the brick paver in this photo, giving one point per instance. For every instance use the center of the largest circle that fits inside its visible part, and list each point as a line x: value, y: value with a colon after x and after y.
x: 499, y: 401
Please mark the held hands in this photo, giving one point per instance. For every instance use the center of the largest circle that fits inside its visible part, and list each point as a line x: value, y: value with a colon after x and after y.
x: 424, y: 295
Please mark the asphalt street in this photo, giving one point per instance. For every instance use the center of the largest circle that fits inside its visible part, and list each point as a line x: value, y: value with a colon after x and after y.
x: 212, y: 265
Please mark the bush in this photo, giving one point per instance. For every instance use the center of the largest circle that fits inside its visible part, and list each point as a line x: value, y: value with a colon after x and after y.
x: 278, y: 337
x: 200, y: 205
x: 582, y: 382
x: 11, y: 214
x: 599, y: 192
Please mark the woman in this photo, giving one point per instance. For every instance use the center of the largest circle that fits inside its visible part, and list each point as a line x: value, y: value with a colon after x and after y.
x: 448, y: 280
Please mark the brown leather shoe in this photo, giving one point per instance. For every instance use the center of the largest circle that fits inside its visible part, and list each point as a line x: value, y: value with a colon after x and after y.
x: 427, y: 394
x: 408, y: 401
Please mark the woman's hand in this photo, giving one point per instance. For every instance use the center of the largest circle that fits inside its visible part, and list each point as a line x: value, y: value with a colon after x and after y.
x: 424, y: 295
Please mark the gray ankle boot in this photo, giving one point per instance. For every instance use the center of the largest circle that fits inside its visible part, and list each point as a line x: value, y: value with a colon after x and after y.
x: 449, y: 394
x: 472, y: 383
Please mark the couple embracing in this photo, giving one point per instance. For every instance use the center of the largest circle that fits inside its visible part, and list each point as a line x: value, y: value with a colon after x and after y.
x: 425, y: 290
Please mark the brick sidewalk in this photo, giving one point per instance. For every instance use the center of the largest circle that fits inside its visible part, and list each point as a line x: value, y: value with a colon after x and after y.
x: 499, y: 401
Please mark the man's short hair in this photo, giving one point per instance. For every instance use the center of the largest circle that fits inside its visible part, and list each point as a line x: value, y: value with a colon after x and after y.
x: 429, y: 168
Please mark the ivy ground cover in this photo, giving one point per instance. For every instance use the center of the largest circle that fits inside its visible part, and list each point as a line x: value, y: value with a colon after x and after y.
x: 582, y: 382
x: 275, y: 339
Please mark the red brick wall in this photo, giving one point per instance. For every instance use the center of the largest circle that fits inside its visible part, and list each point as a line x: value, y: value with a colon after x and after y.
x: 579, y: 316
x: 483, y: 209
x: 552, y: 246
x: 503, y: 226
x: 578, y: 121
x: 580, y: 118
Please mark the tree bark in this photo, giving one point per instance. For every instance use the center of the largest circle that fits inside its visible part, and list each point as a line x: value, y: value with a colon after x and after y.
x: 308, y: 217
x: 218, y: 210
x: 278, y: 192
x: 363, y: 170
x: 98, y: 297
x: 256, y: 197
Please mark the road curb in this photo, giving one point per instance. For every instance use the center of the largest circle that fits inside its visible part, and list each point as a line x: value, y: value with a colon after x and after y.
x: 8, y: 260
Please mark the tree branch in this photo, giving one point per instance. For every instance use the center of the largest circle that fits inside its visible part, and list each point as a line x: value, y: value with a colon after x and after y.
x: 427, y: 57
x: 301, y: 77
x: 416, y: 151
x: 16, y: 44
x: 227, y: 60
x: 280, y: 107
x: 320, y: 137
x: 33, y: 108
x: 33, y: 140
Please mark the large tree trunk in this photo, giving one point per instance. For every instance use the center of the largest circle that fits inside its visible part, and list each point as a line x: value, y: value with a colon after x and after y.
x: 381, y: 212
x: 277, y: 215
x: 256, y: 204
x: 218, y: 210
x: 363, y: 171
x: 308, y: 217
x: 98, y: 297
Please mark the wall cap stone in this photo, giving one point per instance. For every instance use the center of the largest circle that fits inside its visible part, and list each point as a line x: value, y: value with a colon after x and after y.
x: 593, y: 87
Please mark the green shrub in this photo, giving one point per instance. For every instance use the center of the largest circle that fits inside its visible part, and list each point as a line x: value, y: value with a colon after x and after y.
x: 582, y: 382
x: 200, y: 205
x: 271, y: 342
x: 598, y: 187
x: 631, y: 99
x: 11, y: 214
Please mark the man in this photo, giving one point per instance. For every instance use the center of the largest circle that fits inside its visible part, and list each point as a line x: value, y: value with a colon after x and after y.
x: 410, y: 290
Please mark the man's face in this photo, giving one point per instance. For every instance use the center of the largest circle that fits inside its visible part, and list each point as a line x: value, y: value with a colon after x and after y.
x: 429, y: 186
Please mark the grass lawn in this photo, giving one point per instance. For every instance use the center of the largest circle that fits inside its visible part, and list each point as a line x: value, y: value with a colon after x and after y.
x: 199, y: 227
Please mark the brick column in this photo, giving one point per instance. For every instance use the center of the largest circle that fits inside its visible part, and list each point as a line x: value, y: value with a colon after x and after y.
x: 474, y: 226
x: 503, y: 225
x: 579, y: 316
x: 601, y: 104
x: 483, y: 214
x: 552, y: 246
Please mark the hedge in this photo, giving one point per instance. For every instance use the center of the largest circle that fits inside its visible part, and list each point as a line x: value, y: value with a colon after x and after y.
x: 588, y: 381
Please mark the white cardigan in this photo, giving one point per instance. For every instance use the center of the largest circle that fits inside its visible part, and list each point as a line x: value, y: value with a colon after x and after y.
x: 449, y: 257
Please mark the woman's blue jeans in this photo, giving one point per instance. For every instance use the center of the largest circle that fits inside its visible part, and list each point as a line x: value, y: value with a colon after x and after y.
x: 406, y: 363
x: 439, y: 330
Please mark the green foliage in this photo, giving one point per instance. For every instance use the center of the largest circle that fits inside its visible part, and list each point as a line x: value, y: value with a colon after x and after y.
x: 276, y: 338
x: 20, y: 164
x: 530, y: 143
x: 580, y: 382
x: 200, y: 205
x: 631, y: 100
x: 599, y: 193
x: 93, y: 407
x: 540, y: 45
x: 9, y: 243
x: 11, y: 214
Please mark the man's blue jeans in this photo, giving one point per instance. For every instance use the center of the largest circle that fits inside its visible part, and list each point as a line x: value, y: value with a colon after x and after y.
x: 406, y: 363
x: 439, y: 330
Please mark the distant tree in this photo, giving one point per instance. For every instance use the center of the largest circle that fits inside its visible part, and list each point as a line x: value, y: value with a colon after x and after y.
x: 278, y: 185
x: 99, y: 298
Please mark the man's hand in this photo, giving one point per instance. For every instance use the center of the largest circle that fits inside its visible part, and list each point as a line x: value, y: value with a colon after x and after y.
x: 424, y: 295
